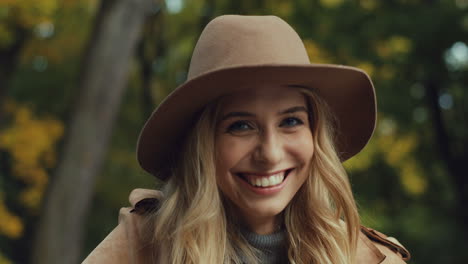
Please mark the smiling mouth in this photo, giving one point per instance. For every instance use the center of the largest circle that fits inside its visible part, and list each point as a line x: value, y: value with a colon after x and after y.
x: 264, y: 181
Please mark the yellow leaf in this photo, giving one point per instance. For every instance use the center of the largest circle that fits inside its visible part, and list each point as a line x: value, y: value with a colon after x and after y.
x: 386, y: 72
x: 412, y: 179
x: 395, y: 45
x: 281, y: 8
x: 369, y: 4
x: 400, y: 149
x: 4, y: 260
x: 11, y: 225
x: 31, y: 142
x: 6, y: 36
x: 400, y: 44
x: 316, y: 54
x: 367, y: 67
x: 364, y: 160
x: 32, y: 197
x: 331, y: 3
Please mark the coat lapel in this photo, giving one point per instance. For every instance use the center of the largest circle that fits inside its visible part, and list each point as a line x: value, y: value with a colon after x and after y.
x: 367, y: 252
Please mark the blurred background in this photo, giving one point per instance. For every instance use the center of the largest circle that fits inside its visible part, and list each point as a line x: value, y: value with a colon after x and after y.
x: 78, y: 78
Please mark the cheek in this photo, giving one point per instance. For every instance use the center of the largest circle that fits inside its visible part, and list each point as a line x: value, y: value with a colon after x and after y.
x: 302, y: 146
x: 229, y: 152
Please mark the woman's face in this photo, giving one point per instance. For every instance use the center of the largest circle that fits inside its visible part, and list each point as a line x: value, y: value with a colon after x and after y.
x: 263, y: 150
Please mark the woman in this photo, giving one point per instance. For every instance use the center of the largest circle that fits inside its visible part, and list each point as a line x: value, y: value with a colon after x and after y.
x: 250, y: 148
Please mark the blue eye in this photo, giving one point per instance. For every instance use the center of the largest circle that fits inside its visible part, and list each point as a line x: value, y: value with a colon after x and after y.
x: 291, y: 122
x: 239, y: 126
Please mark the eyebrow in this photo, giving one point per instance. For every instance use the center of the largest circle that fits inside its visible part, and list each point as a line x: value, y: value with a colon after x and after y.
x: 294, y: 110
x: 291, y: 110
x: 236, y: 114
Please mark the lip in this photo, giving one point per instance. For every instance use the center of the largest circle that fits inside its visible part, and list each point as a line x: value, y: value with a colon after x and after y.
x: 262, y: 174
x: 265, y: 190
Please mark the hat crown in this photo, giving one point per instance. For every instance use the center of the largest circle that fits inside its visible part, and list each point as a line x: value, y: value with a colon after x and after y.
x: 234, y: 40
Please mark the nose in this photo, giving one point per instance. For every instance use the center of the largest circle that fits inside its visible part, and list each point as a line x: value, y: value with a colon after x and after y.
x: 269, y: 150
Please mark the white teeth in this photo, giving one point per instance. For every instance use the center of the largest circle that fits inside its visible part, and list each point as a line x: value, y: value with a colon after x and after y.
x: 265, y: 181
x: 258, y: 182
x: 272, y: 180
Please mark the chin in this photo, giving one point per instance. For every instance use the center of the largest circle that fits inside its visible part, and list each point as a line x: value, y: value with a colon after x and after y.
x: 271, y: 210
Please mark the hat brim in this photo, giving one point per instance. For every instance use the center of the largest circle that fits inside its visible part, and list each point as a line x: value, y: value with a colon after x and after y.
x: 348, y: 91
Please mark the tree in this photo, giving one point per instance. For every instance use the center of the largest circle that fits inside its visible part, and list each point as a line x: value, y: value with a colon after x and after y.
x: 102, y: 83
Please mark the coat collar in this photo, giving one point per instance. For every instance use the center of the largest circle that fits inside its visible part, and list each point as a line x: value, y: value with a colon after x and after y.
x: 367, y: 252
x: 375, y: 247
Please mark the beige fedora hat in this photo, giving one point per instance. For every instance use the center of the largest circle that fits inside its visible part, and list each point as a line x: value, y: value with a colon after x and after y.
x: 235, y: 53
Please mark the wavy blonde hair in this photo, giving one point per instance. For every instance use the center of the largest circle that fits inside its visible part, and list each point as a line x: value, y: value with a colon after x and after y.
x: 193, y: 223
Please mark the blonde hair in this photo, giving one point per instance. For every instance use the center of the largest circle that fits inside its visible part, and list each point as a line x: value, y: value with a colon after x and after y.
x: 192, y: 223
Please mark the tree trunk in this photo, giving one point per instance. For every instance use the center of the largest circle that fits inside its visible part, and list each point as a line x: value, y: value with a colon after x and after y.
x: 151, y: 49
x: 59, y: 233
x: 454, y: 163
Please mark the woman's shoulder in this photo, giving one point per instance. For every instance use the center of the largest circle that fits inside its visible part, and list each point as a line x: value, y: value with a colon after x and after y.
x: 376, y: 247
x: 133, y: 218
x: 142, y: 202
x: 373, y: 246
x: 126, y: 243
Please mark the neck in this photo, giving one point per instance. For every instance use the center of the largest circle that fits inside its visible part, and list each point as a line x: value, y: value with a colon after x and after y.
x: 262, y: 225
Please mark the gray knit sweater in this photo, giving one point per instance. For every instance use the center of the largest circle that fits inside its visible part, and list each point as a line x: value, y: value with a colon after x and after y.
x: 272, y: 247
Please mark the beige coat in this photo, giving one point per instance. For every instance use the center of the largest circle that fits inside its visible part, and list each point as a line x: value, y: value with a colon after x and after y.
x: 124, y: 243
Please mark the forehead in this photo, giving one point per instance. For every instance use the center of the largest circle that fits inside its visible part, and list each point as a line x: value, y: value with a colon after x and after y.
x: 263, y: 97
